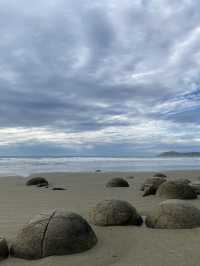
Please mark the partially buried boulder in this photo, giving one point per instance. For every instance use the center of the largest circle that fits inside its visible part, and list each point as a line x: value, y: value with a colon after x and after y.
x: 37, y: 181
x: 4, y: 251
x: 173, y: 214
x: 176, y: 190
x: 130, y: 177
x: 114, y: 212
x: 160, y: 175
x: 54, y: 233
x: 117, y: 182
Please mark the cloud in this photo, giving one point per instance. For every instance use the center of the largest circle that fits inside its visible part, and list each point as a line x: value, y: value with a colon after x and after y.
x: 90, y: 74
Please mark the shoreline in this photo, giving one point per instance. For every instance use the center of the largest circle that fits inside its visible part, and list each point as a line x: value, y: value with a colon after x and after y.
x: 27, y: 166
x: 172, y: 172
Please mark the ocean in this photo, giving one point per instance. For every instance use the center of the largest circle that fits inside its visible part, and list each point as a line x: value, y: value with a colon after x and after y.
x: 25, y: 166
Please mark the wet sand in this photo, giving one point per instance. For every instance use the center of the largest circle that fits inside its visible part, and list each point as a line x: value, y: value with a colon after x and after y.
x: 121, y: 245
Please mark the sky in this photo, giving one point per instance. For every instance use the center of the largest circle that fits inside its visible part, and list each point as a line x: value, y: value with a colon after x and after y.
x: 82, y: 77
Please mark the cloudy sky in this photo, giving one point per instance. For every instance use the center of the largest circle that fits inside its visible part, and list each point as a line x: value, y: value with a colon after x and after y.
x: 99, y: 77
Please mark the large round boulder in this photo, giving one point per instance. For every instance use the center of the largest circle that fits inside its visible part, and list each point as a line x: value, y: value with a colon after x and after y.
x: 37, y: 181
x: 114, y: 212
x: 176, y: 190
x: 117, y: 182
x: 174, y: 214
x: 54, y: 233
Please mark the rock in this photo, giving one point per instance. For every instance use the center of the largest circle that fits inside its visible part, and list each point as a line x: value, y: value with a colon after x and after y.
x: 4, y: 251
x: 150, y: 190
x: 98, y: 171
x: 56, y: 232
x: 37, y: 181
x: 58, y: 188
x: 173, y: 214
x: 130, y: 177
x: 160, y: 175
x: 153, y: 182
x: 176, y: 190
x: 117, y: 182
x: 114, y: 212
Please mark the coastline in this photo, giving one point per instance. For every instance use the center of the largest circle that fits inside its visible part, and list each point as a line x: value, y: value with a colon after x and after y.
x: 119, y: 245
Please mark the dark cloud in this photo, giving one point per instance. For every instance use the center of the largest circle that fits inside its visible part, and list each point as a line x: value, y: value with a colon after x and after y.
x: 112, y: 67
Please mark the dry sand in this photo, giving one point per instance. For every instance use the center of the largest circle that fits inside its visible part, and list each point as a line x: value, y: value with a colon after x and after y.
x: 120, y: 246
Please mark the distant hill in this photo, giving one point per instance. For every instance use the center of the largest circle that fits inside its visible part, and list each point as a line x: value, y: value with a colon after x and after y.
x: 179, y: 154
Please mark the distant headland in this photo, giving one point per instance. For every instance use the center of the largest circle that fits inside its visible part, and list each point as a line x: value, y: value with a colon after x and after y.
x: 179, y: 154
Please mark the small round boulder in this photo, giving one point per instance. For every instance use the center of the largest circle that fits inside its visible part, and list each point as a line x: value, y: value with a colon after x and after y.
x: 37, y: 181
x: 173, y: 214
x: 56, y: 232
x: 160, y: 175
x: 114, y: 212
x: 4, y: 251
x: 117, y: 182
x: 176, y: 190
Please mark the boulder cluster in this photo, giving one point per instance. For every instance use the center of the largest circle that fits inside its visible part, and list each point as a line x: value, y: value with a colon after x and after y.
x: 58, y: 232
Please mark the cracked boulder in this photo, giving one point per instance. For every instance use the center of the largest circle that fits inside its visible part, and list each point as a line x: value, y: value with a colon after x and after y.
x: 54, y: 233
x: 114, y: 212
x: 176, y: 190
x: 117, y: 182
x: 173, y: 214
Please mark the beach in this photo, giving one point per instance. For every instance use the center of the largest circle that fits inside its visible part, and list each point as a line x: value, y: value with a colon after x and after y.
x: 117, y: 245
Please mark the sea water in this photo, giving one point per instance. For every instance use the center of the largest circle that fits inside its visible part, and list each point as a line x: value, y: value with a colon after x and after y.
x: 26, y: 166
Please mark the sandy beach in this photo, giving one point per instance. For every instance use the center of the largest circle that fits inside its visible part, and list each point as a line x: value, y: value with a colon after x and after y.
x: 121, y: 245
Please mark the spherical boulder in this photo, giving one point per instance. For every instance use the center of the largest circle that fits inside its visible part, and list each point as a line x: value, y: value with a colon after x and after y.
x: 176, y: 190
x: 4, y: 251
x: 114, y: 212
x: 154, y: 182
x: 37, y: 181
x: 173, y: 214
x: 117, y: 182
x: 56, y: 232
